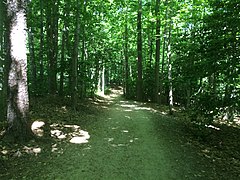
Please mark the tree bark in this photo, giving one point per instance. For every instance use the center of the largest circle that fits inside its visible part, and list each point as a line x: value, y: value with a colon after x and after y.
x: 41, y: 46
x: 52, y: 35
x: 32, y: 59
x: 163, y: 55
x: 2, y: 98
x: 5, y: 56
x: 62, y: 65
x: 139, y: 53
x: 83, y: 73
x: 126, y: 58
x: 74, y: 63
x: 31, y: 47
x: 103, y: 80
x: 169, y: 56
x: 18, y: 102
x: 1, y: 29
x: 150, y: 43
x: 158, y: 23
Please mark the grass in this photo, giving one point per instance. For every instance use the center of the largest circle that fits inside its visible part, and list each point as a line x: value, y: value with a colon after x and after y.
x: 59, y: 124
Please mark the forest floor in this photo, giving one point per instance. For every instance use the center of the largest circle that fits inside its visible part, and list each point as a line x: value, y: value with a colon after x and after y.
x: 112, y: 138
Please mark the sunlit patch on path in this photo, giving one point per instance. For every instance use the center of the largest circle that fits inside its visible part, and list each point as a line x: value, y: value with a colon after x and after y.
x: 80, y: 138
x: 37, y: 128
x: 71, y: 133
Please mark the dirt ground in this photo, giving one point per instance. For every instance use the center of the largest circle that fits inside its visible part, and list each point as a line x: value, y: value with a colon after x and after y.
x: 118, y: 139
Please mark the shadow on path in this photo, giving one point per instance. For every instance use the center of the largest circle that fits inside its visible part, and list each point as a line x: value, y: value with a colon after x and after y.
x: 129, y: 140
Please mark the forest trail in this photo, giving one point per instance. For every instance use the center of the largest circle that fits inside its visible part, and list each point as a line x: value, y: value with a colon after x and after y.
x: 130, y: 140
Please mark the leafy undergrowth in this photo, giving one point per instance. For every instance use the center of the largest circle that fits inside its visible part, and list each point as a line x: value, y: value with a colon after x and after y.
x: 220, y: 143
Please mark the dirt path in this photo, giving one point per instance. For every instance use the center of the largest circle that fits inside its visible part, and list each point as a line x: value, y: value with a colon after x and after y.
x: 130, y: 141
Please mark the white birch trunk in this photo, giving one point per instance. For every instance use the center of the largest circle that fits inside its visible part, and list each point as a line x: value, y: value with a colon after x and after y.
x: 18, y: 101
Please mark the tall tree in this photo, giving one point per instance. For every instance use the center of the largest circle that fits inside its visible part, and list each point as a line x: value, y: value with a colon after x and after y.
x: 139, y: 53
x: 18, y: 101
x: 1, y: 28
x: 169, y: 60
x: 74, y: 62
x: 82, y: 65
x: 62, y: 63
x: 158, y: 24
x: 163, y: 54
x: 31, y: 48
x: 41, y: 44
x: 52, y: 41
x: 2, y: 98
x: 126, y: 56
x: 65, y: 47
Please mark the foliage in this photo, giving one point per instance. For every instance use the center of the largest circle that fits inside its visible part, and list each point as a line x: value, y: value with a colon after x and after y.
x: 207, y: 62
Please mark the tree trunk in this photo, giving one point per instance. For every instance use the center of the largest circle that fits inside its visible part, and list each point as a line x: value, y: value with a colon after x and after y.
x: 229, y: 114
x: 150, y: 43
x: 2, y: 98
x: 32, y: 59
x: 41, y: 46
x: 163, y: 55
x: 1, y: 29
x: 83, y: 66
x: 52, y: 36
x: 188, y: 89
x: 162, y: 67
x: 62, y: 65
x: 74, y: 63
x: 99, y: 81
x: 156, y: 92
x: 18, y: 103
x: 157, y: 51
x: 5, y: 55
x: 169, y: 54
x: 126, y: 59
x: 103, y: 80
x: 68, y: 53
x: 139, y: 53
x: 65, y: 50
x: 31, y: 47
